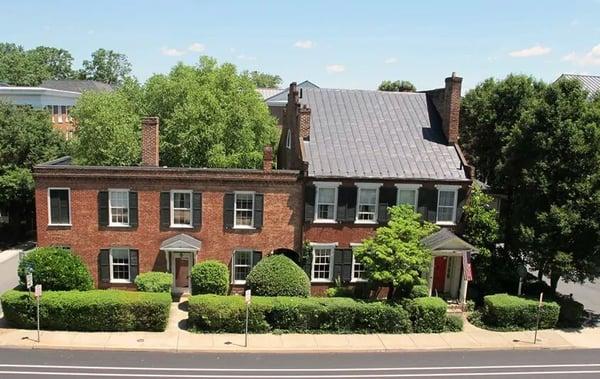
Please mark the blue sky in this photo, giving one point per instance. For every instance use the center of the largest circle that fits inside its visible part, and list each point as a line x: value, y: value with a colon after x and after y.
x: 341, y: 44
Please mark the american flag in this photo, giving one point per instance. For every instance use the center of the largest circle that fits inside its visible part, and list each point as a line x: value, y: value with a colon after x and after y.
x: 468, y: 270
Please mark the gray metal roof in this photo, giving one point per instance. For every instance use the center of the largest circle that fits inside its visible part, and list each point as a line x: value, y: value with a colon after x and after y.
x: 268, y: 92
x: 76, y: 85
x: 441, y: 238
x: 181, y: 242
x: 375, y: 134
x: 590, y: 82
x: 282, y: 96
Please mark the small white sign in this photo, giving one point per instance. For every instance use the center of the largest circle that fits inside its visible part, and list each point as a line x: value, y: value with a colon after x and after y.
x: 541, y: 298
x: 29, y: 280
x: 248, y: 296
x: 38, y: 290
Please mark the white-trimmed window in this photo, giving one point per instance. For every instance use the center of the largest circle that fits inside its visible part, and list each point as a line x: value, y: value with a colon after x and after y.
x: 59, y: 206
x: 181, y: 208
x: 119, y: 266
x: 288, y: 139
x: 322, y: 263
x: 408, y: 194
x: 359, y: 273
x: 242, y: 264
x: 326, y: 201
x: 366, y: 202
x: 118, y: 207
x: 243, y: 211
x: 446, y: 204
x: 56, y: 114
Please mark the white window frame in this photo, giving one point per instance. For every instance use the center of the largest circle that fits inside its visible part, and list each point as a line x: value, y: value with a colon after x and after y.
x: 233, y: 265
x: 352, y: 278
x: 112, y: 279
x: 172, y: 216
x: 446, y: 188
x: 288, y: 139
x: 408, y: 187
x: 367, y: 186
x: 55, y: 113
x: 322, y: 246
x: 235, y: 209
x: 50, y: 210
x: 329, y: 185
x: 110, y: 221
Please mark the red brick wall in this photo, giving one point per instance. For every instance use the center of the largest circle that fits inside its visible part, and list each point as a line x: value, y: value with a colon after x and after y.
x: 282, y: 218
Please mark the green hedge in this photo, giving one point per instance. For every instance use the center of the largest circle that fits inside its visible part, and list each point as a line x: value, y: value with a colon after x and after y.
x: 295, y: 314
x: 454, y: 323
x: 514, y: 313
x: 154, y: 282
x: 278, y: 275
x: 428, y: 314
x: 96, y: 310
x: 56, y: 269
x: 210, y: 276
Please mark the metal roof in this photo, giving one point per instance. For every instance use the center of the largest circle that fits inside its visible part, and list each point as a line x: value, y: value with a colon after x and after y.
x: 444, y: 238
x: 268, y: 92
x: 590, y: 82
x: 76, y: 85
x: 282, y: 96
x: 375, y: 134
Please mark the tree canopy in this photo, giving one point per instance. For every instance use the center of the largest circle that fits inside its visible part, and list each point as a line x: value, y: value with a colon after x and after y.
x: 263, y: 80
x: 397, y: 86
x: 106, y: 66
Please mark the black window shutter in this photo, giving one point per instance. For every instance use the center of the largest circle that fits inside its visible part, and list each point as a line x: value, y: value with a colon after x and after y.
x: 228, y: 201
x: 346, y: 265
x: 341, y: 204
x: 460, y: 203
x: 309, y: 203
x: 197, y: 211
x: 428, y: 203
x: 387, y: 198
x: 103, y: 208
x: 256, y: 257
x: 337, y: 264
x: 134, y: 267
x: 133, y: 209
x: 104, y: 265
x: 258, y: 210
x: 346, y: 207
x: 165, y: 209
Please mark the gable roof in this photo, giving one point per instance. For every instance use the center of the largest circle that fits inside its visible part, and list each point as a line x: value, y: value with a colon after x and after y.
x: 282, y: 96
x: 76, y: 85
x: 590, y: 83
x: 444, y: 239
x: 268, y: 92
x: 375, y: 134
x: 181, y: 242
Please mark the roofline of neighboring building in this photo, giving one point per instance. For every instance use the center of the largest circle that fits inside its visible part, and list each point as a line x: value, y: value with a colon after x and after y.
x: 387, y: 178
x: 37, y: 91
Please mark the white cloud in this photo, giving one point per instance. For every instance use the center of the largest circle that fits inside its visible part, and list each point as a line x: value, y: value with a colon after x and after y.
x: 171, y: 52
x: 533, y: 51
x: 390, y: 60
x: 591, y: 58
x: 245, y: 57
x: 335, y: 68
x: 304, y: 44
x: 196, y: 47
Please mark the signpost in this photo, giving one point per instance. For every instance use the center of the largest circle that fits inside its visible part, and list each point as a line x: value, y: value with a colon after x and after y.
x: 248, y: 298
x: 522, y: 271
x: 38, y: 294
x: 29, y: 280
x: 537, y: 323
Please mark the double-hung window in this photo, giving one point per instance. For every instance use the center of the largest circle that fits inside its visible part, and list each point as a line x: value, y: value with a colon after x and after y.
x: 242, y: 264
x: 243, y: 210
x: 322, y: 263
x: 119, y: 266
x: 359, y: 273
x: 326, y: 201
x: 59, y: 206
x: 118, y: 207
x: 367, y: 199
x: 408, y: 194
x: 446, y: 204
x: 181, y: 208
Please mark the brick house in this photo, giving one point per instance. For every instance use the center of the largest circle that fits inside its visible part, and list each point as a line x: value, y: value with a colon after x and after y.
x: 363, y: 151
x: 128, y: 220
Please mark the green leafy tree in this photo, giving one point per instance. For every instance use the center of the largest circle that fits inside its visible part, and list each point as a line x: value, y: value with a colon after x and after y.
x: 263, y: 80
x: 394, y: 256
x: 397, y: 86
x: 57, y: 63
x: 108, y: 129
x: 106, y: 66
x: 29, y: 67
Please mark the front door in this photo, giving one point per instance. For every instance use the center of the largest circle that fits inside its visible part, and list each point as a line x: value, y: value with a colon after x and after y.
x: 439, y: 274
x: 181, y: 272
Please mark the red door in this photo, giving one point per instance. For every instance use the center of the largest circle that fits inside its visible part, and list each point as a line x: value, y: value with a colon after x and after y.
x: 439, y: 274
x: 181, y: 272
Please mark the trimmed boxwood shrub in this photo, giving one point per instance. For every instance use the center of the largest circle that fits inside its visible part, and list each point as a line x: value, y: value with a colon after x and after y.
x: 56, y: 269
x: 278, y: 275
x: 154, y: 282
x: 296, y: 314
x: 90, y: 311
x: 514, y: 313
x: 210, y: 276
x: 428, y: 314
x: 454, y: 323
x: 419, y: 290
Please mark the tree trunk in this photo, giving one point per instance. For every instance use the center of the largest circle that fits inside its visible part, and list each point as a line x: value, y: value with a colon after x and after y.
x: 540, y: 275
x: 554, y: 281
x: 391, y: 290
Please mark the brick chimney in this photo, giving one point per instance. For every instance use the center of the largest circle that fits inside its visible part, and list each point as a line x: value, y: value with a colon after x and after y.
x: 451, y: 113
x: 304, y: 122
x: 267, y: 158
x: 150, y: 141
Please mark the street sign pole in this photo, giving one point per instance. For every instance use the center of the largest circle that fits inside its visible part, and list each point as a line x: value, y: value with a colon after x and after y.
x: 537, y: 323
x: 38, y: 294
x: 248, y: 296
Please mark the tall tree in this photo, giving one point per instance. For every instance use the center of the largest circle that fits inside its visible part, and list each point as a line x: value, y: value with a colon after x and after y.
x: 263, y: 80
x: 106, y: 66
x: 394, y: 256
x: 57, y: 62
x: 397, y: 86
x: 17, y: 67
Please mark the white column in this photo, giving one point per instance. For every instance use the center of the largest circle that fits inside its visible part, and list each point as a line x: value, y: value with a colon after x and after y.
x: 464, y: 283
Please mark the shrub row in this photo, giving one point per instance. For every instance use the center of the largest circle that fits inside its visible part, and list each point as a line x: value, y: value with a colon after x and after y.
x: 512, y: 312
x: 96, y: 310
x: 212, y: 313
x: 154, y: 282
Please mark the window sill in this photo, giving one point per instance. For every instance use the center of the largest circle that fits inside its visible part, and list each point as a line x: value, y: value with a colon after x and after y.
x: 118, y: 226
x: 324, y: 222
x: 366, y: 222
x: 181, y: 226
x: 359, y: 280
x: 60, y: 224
x: 120, y: 281
x: 239, y: 282
x: 321, y: 281
x: 445, y: 223
x: 244, y: 227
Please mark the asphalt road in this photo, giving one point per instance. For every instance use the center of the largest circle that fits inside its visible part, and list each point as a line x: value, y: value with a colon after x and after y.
x: 481, y: 364
x: 587, y: 293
